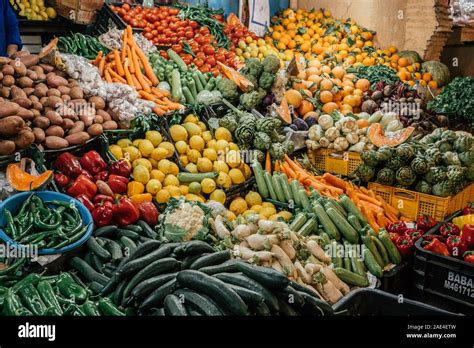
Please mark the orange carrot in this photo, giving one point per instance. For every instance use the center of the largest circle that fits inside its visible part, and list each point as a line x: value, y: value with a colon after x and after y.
x: 391, y: 217
x: 382, y: 220
x: 98, y: 58
x: 369, y: 199
x: 146, y: 65
x: 268, y: 163
x: 290, y: 172
x: 101, y: 66
x: 277, y: 166
x: 107, y: 76
x: 335, y: 181
x: 371, y: 206
x: 157, y: 92
x: 134, y: 60
x: 371, y: 193
x: 117, y: 76
x: 147, y: 96
x: 157, y: 110
x: 136, y: 83
x: 147, y: 80
x: 129, y: 32
x: 118, y: 62
x: 128, y: 76
x: 131, y: 66
x: 370, y: 217
x: 124, y: 46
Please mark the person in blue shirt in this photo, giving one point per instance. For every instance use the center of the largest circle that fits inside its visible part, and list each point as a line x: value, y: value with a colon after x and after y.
x: 10, y: 40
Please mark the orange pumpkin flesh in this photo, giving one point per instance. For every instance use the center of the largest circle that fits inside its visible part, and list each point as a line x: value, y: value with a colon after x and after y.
x: 378, y: 138
x: 284, y: 111
x: 23, y: 181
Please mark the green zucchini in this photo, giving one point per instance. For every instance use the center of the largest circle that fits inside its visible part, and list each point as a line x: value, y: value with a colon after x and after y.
x: 250, y: 297
x: 195, y: 177
x: 114, y: 249
x: 347, y: 263
x: 277, y: 188
x: 336, y: 259
x: 372, y: 264
x: 266, y: 276
x: 228, y: 266
x: 357, y: 266
x: 198, y: 302
x: 294, y: 192
x: 147, y: 286
x: 105, y: 231
x: 128, y: 245
x: 354, y: 221
x: 392, y: 250
x: 216, y: 258
x: 326, y: 222
x: 177, y: 59
x: 147, y: 229
x: 199, y: 85
x: 195, y: 247
x: 135, y: 265
x: 287, y: 310
x: 303, y: 198
x: 134, y: 228
x: 308, y: 227
x: 290, y: 295
x: 173, y: 306
x: 87, y: 271
x: 343, y: 226
x: 351, y: 278
x: 338, y: 207
x: 269, y: 183
x: 188, y: 96
x: 128, y: 233
x: 157, y: 296
x: 381, y: 249
x: 350, y: 207
x: 260, y: 179
x: 283, y: 179
x: 176, y: 88
x: 298, y: 221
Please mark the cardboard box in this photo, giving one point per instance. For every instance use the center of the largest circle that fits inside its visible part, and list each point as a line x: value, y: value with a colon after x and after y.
x: 76, y: 15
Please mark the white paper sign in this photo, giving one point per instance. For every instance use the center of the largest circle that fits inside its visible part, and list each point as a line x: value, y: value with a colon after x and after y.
x: 259, y: 11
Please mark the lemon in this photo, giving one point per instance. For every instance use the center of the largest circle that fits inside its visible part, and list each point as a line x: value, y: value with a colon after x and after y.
x: 220, y: 166
x: 204, y: 165
x: 146, y: 147
x: 238, y: 206
x: 193, y: 197
x: 124, y: 143
x: 212, y: 144
x: 207, y: 136
x: 165, y: 166
x: 202, y: 125
x: 253, y: 198
x: 208, y: 185
x: 191, y: 118
x: 210, y: 154
x: 274, y: 217
x: 171, y: 180
x: 192, y: 129
x: 173, y: 190
x: 116, y: 151
x: 184, y: 189
x: 168, y: 146
x: 192, y: 168
x: 224, y: 180
x: 181, y: 147
x: 256, y: 208
x: 131, y: 153
x: 174, y: 169
x: 162, y: 196
x: 154, y: 163
x: 218, y: 196
x: 195, y: 188
x: 286, y: 215
x: 136, y: 142
x: 247, y: 171
x: 222, y: 145
x: 178, y: 133
x: 197, y: 142
x: 157, y: 174
x: 222, y: 133
x: 51, y: 12
x: 141, y: 174
x: 143, y: 162
x: 236, y: 176
x: 154, y: 136
x: 268, y: 211
x: 233, y: 146
x: 232, y: 158
x: 230, y: 216
x: 153, y: 186
x: 159, y: 153
x: 267, y: 205
x: 184, y: 160
x: 193, y: 155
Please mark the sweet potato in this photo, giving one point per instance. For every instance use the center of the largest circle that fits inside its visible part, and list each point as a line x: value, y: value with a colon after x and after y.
x: 30, y: 60
x: 54, y: 118
x: 78, y: 127
x: 53, y: 92
x: 37, y: 106
x: 55, y: 81
x: 24, y: 82
x: 97, y: 102
x: 4, y: 92
x: 55, y: 143
x: 17, y: 92
x: 11, y: 125
x: 26, y: 114
x: 23, y: 102
x: 72, y: 83
x: 28, y: 91
x: 32, y: 75
x: 33, y: 98
x: 110, y: 125
x: 64, y: 90
x: 43, y: 100
x: 54, y: 102
x: 8, y: 70
x: 41, y: 90
x: 1, y: 75
x: 7, y: 147
x: 35, y: 112
x: 67, y: 112
x: 98, y: 119
x: 67, y: 123
x: 39, y: 135
x: 41, y: 122
x: 8, y: 81
x: 78, y: 101
x: 65, y: 97
x: 55, y: 130
x: 19, y: 67
x: 8, y: 109
x: 76, y: 93
x: 95, y: 130
x: 77, y: 138
x: 46, y: 68
x: 24, y: 139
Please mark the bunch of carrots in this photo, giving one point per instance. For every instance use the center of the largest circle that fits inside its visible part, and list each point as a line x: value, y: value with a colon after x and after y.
x: 125, y: 66
x: 378, y: 213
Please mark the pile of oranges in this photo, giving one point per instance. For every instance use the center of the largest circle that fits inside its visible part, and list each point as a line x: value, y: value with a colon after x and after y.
x: 411, y: 73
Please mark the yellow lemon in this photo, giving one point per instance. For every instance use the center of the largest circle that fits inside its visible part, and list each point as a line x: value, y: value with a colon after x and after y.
x: 174, y: 169
x: 195, y: 188
x: 268, y: 211
x: 212, y: 144
x: 220, y: 166
x: 224, y: 180
x: 202, y: 125
x: 192, y: 168
x: 124, y: 143
x: 159, y: 153
x: 222, y: 133
x: 193, y: 197
x: 204, y: 165
x: 131, y: 153
x: 218, y: 196
x: 193, y: 155
x: 210, y: 154
x: 141, y: 174
x: 173, y: 190
x: 222, y: 145
x: 208, y: 185
x: 268, y: 205
x: 256, y: 208
x: 191, y: 118
x: 51, y: 12
x: 286, y: 215
x: 181, y: 147
x: 143, y: 162
x: 178, y: 133
x: 162, y: 196
x: 253, y: 198
x: 207, y: 136
x: 171, y: 180
x: 154, y: 136
x: 247, y: 171
x: 116, y: 151
x: 274, y: 217
x: 154, y: 163
x: 136, y: 142
x: 184, y: 189
x: 192, y: 129
x: 238, y: 206
x: 153, y: 186
x: 157, y: 174
x: 168, y: 146
x: 165, y: 166
x: 230, y: 216
x: 197, y: 142
x: 233, y: 146
x: 236, y: 176
x: 232, y: 158
x: 184, y: 160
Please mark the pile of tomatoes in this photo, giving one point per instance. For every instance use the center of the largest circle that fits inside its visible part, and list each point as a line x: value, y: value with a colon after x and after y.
x: 237, y: 32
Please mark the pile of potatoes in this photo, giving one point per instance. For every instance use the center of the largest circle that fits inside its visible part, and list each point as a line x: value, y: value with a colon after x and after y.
x: 39, y: 104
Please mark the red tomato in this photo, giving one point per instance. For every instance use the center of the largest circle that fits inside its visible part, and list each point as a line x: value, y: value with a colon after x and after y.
x: 204, y: 31
x: 149, y: 36
x: 220, y: 57
x: 211, y: 61
x: 198, y: 62
x: 174, y: 40
x: 134, y: 23
x: 189, y: 34
x: 177, y: 48
x: 147, y: 30
x: 199, y: 39
x: 154, y: 32
x: 126, y: 7
x: 193, y: 24
x: 208, y: 50
x: 205, y: 68
x: 173, y: 11
x: 215, y: 71
x: 200, y: 55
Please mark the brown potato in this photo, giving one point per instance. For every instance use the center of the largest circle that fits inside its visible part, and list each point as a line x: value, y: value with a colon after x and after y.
x: 8, y: 109
x: 76, y: 93
x: 5, y: 92
x: 64, y: 89
x: 23, y: 102
x: 8, y: 70
x: 54, y: 80
x: 67, y: 112
x: 110, y: 125
x: 33, y: 98
x: 19, y: 67
x: 98, y: 102
x: 55, y: 130
x: 78, y: 101
x: 8, y: 81
x: 66, y: 97
x: 32, y: 75
x: 28, y: 91
x: 95, y: 130
x: 54, y: 102
x: 54, y: 118
x: 55, y: 143
x: 37, y: 69
x: 39, y: 135
x: 78, y: 127
x: 88, y: 120
x: 41, y: 90
x: 30, y: 60
x: 7, y: 147
x: 67, y: 123
x: 77, y: 138
x: 72, y: 83
x: 37, y: 106
x: 43, y: 100
x: 11, y: 125
x: 98, y: 119
x: 53, y: 92
x: 17, y: 92
x: 36, y: 113
x: 24, y: 82
x: 41, y: 122
x: 24, y: 139
x: 47, y: 68
x: 26, y: 114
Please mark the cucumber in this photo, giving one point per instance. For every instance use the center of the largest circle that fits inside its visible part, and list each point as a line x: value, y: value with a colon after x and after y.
x: 315, y: 306
x: 304, y: 200
x: 354, y: 221
x: 211, y: 259
x: 134, y: 228
x: 336, y: 259
x: 286, y: 310
x: 266, y: 276
x: 283, y: 180
x: 87, y: 271
x: 301, y: 288
x: 128, y: 233
x: 350, y: 277
x: 372, y: 264
x: 188, y: 96
x: 308, y: 227
x: 250, y: 297
x: 338, y: 207
x: 217, y: 289
x: 262, y: 310
x: 381, y: 249
x: 347, y: 263
x: 158, y: 295
x: 196, y: 247
x: 97, y: 263
x: 173, y: 306
x: 327, y: 223
x: 260, y: 180
x: 350, y: 207
x: 147, y: 286
x: 277, y: 188
x: 94, y: 246
x: 198, y: 302
x: 157, y: 312
x: 369, y: 243
x: 105, y: 231
x: 199, y: 85
x: 188, y: 260
x: 268, y: 181
x: 109, y: 270
x: 192, y: 312
x: 298, y: 222
x: 115, y: 250
x: 228, y: 266
x: 356, y: 266
x: 149, y: 232
x: 146, y: 248
x: 176, y: 88
x: 392, y: 250
x: 177, y: 59
x: 294, y: 192
x: 195, y: 177
x: 290, y: 295
x: 118, y: 292
x: 344, y: 227
x: 95, y: 287
x: 128, y: 245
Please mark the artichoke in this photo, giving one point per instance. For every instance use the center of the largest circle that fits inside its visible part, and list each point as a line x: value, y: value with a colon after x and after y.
x: 228, y: 89
x: 266, y: 80
x: 251, y: 100
x: 271, y: 64
x: 253, y: 67
x: 229, y: 122
x: 262, y: 141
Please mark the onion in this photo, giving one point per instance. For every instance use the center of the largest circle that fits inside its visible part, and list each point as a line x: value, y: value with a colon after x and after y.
x: 268, y: 100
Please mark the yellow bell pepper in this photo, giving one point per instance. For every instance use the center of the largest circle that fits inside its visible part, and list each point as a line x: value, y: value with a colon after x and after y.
x: 462, y: 220
x: 135, y: 188
x: 141, y: 197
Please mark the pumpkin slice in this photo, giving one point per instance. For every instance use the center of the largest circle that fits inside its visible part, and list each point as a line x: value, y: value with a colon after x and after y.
x: 23, y: 181
x: 283, y: 111
x: 378, y: 138
x: 241, y: 81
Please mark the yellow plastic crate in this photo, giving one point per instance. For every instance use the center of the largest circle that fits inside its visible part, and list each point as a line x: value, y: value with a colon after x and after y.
x: 343, y: 163
x: 413, y: 204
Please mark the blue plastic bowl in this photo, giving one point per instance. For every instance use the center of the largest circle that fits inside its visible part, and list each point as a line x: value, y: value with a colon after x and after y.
x: 14, y: 203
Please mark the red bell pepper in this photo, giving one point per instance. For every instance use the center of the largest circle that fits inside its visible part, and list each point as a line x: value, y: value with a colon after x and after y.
x: 100, y: 199
x: 125, y: 212
x: 437, y: 247
x: 393, y: 236
x: 425, y: 222
x: 468, y: 256
x: 68, y: 164
x: 87, y: 174
x: 456, y: 246
x: 397, y: 227
x: 82, y: 185
x: 448, y: 228
x: 93, y: 162
x: 467, y: 235
x: 148, y: 213
x: 117, y: 183
x: 414, y: 234
x: 104, y: 175
x: 86, y: 201
x: 103, y: 215
x: 468, y: 209
x: 61, y: 180
x: 405, y: 246
x: 121, y: 167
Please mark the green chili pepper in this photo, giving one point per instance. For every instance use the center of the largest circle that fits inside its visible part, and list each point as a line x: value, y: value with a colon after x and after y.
x: 24, y: 207
x: 72, y: 239
x: 70, y: 289
x: 10, y: 223
x: 49, y: 297
x: 31, y: 298
x: 16, y: 265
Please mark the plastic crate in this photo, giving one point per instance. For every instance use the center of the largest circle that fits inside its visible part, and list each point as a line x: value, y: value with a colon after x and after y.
x: 107, y: 19
x: 398, y: 280
x: 343, y: 163
x: 413, y: 204
x: 443, y: 281
x: 373, y: 302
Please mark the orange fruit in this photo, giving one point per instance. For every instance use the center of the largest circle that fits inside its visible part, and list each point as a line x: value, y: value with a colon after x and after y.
x: 339, y: 72
x: 305, y: 107
x: 362, y: 84
x: 326, y: 97
x: 403, y: 62
x: 433, y: 84
x: 326, y: 84
x: 293, y: 97
x: 427, y: 76
x: 330, y: 107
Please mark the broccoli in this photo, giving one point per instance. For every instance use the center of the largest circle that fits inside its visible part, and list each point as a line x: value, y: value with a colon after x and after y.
x: 271, y: 64
x: 253, y: 67
x: 266, y: 80
x: 228, y: 88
